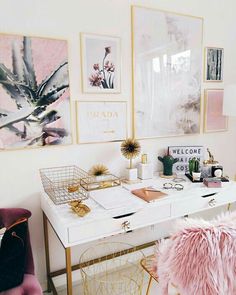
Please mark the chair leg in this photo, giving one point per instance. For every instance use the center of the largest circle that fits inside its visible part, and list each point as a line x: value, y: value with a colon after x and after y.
x: 149, y: 285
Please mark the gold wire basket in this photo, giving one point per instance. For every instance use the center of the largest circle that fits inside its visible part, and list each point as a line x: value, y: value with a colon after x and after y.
x: 62, y: 184
x: 114, y: 273
x: 99, y: 182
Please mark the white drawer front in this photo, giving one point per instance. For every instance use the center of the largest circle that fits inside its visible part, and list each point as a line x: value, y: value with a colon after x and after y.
x: 151, y: 214
x: 180, y: 208
x: 108, y: 226
x: 91, y: 230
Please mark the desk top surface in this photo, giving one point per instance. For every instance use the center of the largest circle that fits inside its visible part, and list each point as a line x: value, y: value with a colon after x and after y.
x: 130, y: 203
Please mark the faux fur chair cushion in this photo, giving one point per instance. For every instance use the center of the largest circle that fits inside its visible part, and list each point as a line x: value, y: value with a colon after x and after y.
x: 200, y: 257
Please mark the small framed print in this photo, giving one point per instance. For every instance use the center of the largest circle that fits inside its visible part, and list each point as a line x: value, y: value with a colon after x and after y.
x: 101, y: 59
x: 214, y: 120
x: 214, y: 64
x: 101, y: 121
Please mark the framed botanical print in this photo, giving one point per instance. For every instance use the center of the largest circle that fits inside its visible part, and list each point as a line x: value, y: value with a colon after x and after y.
x: 214, y: 120
x: 101, y: 63
x: 101, y: 121
x: 167, y: 59
x: 214, y: 58
x: 34, y: 92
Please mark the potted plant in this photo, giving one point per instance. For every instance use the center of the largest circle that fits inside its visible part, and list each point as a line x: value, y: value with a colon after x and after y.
x: 194, y: 168
x: 130, y: 149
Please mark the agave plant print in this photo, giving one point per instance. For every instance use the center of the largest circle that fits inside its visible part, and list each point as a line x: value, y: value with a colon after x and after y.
x: 101, y: 63
x: 34, y: 92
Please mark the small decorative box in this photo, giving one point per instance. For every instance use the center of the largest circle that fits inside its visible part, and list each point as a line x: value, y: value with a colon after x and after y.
x: 212, y: 182
x: 98, y: 182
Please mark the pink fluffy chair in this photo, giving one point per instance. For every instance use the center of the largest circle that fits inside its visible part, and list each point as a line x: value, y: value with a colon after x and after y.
x: 30, y: 284
x: 199, y: 258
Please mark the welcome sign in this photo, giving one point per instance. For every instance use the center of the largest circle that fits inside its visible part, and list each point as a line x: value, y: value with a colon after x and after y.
x: 184, y: 154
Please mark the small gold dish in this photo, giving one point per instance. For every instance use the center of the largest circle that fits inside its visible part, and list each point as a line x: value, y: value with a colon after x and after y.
x: 72, y: 189
x: 79, y: 208
x: 106, y: 184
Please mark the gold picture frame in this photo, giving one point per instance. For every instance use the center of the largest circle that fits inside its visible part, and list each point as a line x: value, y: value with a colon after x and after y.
x: 94, y: 120
x: 214, y: 120
x: 150, y: 111
x: 25, y: 41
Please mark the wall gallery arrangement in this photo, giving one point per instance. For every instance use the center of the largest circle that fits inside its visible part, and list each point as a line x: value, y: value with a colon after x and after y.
x: 167, y: 58
x: 101, y: 63
x: 101, y: 121
x: 167, y: 54
x: 214, y: 120
x: 34, y: 92
x: 214, y: 64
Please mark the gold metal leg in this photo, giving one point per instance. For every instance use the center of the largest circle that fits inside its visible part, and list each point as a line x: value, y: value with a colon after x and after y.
x: 68, y: 271
x: 149, y: 285
x: 45, y: 230
x: 228, y: 207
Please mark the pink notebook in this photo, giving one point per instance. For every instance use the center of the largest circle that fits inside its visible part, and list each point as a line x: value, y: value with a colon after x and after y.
x: 148, y: 194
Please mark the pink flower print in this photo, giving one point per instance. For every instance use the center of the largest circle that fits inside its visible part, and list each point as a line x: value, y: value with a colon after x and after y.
x: 110, y: 67
x: 96, y: 67
x: 107, y: 51
x: 95, y: 79
x: 103, y: 73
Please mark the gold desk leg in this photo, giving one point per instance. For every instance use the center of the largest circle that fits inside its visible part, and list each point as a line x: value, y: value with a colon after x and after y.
x: 46, y: 243
x: 149, y: 285
x: 68, y: 271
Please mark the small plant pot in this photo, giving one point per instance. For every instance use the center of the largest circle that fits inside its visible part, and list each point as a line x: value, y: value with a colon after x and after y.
x: 131, y: 173
x: 196, y: 175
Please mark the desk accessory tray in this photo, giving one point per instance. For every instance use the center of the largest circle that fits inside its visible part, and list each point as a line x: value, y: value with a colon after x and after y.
x: 62, y: 184
x: 223, y: 179
x: 90, y: 183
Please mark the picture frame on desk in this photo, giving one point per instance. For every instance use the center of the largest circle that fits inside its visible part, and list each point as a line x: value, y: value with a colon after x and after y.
x: 101, y: 121
x: 214, y: 120
x: 184, y: 154
x: 161, y: 64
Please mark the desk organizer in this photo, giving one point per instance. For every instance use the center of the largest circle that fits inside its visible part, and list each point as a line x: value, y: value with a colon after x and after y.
x: 62, y: 184
x: 191, y: 178
x: 98, y: 182
x: 222, y: 179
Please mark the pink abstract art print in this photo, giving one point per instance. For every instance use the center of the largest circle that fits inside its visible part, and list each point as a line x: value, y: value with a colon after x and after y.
x: 214, y: 118
x: 34, y: 92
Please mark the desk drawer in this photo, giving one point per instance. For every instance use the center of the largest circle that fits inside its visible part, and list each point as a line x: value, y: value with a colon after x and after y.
x: 180, y: 208
x: 109, y: 226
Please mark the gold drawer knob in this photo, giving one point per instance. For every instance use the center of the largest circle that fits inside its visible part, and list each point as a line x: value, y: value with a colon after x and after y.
x: 212, y: 202
x: 126, y: 225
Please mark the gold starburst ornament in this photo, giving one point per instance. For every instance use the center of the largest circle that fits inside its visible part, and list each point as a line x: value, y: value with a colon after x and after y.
x: 98, y: 170
x: 130, y: 149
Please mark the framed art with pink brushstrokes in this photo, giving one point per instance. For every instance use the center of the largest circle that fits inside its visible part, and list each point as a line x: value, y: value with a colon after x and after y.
x: 100, y: 59
x: 34, y: 92
x: 214, y: 120
x: 167, y: 73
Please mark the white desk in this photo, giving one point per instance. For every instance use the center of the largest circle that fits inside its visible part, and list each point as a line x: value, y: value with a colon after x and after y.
x: 99, y: 223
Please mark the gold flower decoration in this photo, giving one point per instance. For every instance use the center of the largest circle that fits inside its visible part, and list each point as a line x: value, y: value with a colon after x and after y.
x: 98, y: 170
x: 130, y: 149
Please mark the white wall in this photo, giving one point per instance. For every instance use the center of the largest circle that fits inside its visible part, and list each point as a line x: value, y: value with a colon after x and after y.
x: 19, y: 178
